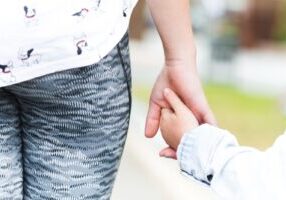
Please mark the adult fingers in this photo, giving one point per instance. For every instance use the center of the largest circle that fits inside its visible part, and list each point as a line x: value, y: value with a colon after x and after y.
x: 209, y: 118
x: 152, y: 120
x: 200, y: 108
x: 165, y: 112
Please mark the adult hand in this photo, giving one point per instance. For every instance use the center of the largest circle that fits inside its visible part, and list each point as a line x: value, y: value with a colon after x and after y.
x: 183, y: 79
x: 173, y: 23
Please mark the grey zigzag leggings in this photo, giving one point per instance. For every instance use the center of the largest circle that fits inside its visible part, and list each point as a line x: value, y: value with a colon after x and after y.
x: 62, y: 134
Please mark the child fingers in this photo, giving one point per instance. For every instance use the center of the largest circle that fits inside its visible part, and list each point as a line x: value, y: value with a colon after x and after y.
x: 168, y: 152
x: 174, y: 101
x: 166, y: 111
x: 167, y: 114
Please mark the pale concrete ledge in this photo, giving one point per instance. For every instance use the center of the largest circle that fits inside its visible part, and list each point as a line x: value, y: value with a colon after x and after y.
x: 143, y: 175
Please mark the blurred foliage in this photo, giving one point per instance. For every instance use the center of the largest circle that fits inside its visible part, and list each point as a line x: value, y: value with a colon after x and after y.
x: 224, y: 41
x: 280, y: 32
x: 229, y: 29
x: 255, y: 120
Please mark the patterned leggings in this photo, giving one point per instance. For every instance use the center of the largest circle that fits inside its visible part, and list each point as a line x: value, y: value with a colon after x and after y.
x: 62, y: 134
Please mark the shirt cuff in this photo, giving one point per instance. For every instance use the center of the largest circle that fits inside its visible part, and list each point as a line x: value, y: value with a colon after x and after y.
x: 197, y: 149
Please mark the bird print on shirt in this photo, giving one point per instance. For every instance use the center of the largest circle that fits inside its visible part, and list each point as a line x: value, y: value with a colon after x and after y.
x: 6, y: 74
x: 81, y: 40
x: 81, y: 43
x: 126, y: 7
x: 30, y: 15
x: 97, y: 3
x: 6, y: 68
x: 28, y: 56
x: 81, y: 15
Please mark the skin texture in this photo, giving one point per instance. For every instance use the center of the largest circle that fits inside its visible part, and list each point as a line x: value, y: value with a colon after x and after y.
x: 179, y: 72
x: 175, y: 121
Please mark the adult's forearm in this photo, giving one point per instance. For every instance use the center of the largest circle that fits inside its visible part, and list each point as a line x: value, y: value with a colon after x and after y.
x: 173, y: 23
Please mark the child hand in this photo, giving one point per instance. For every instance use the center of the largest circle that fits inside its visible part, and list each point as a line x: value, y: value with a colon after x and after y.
x: 175, y: 121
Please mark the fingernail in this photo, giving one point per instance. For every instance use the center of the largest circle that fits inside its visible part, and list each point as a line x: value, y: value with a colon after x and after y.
x: 166, y: 91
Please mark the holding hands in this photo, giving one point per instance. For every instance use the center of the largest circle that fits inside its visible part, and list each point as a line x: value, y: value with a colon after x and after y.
x: 182, y: 77
x: 175, y: 121
x: 179, y: 71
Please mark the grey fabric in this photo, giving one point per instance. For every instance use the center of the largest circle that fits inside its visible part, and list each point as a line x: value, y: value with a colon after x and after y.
x: 62, y: 134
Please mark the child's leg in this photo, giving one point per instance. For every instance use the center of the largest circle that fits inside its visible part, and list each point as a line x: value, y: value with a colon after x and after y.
x: 11, y: 177
x: 74, y: 129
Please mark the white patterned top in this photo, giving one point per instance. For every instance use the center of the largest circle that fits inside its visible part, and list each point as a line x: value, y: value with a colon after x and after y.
x: 39, y: 37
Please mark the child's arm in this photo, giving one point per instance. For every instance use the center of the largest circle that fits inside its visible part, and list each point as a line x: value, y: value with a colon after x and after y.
x: 213, y: 156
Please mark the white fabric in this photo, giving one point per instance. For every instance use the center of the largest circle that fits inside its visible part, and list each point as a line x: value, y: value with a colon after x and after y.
x: 238, y: 173
x: 41, y: 37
